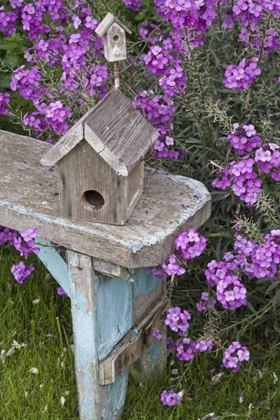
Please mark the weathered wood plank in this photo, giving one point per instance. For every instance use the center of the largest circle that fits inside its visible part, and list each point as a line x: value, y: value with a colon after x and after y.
x: 29, y: 198
x: 111, y: 270
x: 131, y: 347
x: 147, y: 291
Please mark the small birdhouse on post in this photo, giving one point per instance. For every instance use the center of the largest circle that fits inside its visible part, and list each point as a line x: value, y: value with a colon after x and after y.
x: 113, y: 33
x: 100, y: 162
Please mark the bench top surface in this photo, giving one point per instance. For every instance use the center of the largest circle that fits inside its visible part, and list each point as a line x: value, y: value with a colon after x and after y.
x: 29, y: 198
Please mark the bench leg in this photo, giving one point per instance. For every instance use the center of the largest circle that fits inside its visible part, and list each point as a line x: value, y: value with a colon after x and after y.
x: 102, y: 315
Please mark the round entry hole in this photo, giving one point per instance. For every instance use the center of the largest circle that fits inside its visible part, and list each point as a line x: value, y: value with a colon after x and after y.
x: 94, y: 199
x: 115, y: 38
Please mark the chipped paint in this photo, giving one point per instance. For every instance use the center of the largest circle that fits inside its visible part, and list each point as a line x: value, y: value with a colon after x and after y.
x: 54, y: 263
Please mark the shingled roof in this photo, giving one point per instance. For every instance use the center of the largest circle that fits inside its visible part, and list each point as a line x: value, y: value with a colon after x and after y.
x: 114, y: 129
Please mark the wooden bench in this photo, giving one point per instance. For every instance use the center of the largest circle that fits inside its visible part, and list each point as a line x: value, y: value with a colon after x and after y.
x: 115, y: 302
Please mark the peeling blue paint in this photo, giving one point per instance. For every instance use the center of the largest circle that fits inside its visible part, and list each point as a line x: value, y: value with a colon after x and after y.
x: 114, y: 311
x: 54, y: 263
x: 116, y: 397
x: 145, y: 283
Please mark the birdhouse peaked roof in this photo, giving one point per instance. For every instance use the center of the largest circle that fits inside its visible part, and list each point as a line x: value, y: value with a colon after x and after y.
x: 114, y: 129
x: 105, y: 24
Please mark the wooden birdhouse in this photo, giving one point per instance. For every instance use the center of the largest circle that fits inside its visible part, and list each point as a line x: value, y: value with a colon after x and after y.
x: 100, y: 162
x: 113, y: 33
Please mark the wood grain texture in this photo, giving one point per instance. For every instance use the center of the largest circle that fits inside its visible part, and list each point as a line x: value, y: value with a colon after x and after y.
x: 120, y: 129
x: 76, y: 177
x: 132, y: 346
x: 29, y: 198
x: 147, y: 291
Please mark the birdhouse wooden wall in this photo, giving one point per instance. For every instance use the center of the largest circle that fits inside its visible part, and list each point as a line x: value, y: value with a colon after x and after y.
x: 115, y: 43
x: 99, y: 195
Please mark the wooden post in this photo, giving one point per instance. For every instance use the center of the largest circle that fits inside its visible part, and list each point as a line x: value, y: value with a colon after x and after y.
x: 116, y: 74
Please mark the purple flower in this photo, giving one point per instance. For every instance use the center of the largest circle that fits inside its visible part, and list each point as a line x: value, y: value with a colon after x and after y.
x: 157, y: 334
x: 186, y: 349
x: 172, y: 266
x: 190, y: 243
x: 61, y: 292
x: 4, y: 100
x: 234, y: 355
x: 21, y: 272
x: 170, y: 397
x: 29, y: 234
x: 241, y: 76
x: 177, y: 319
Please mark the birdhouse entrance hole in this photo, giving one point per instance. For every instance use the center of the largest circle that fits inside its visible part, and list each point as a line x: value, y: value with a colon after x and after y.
x: 116, y: 38
x: 95, y: 199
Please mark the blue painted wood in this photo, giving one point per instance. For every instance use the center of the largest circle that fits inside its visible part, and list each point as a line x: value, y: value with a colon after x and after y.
x: 145, y: 283
x: 147, y: 290
x: 54, y: 263
x: 114, y: 311
x: 96, y: 402
x: 116, y: 398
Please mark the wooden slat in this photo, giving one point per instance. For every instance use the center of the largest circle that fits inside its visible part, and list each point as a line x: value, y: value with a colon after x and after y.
x: 130, y: 348
x: 29, y: 198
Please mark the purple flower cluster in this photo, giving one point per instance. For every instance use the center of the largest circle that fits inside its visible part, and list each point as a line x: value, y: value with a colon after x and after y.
x: 172, y: 266
x: 25, y: 244
x: 157, y: 59
x: 268, y: 160
x: 230, y: 292
x: 7, y: 22
x: 158, y: 110
x: 241, y: 177
x: 56, y: 115
x: 241, y: 76
x: 133, y: 4
x: 190, y: 243
x: 21, y: 272
x: 247, y: 11
x: 243, y: 138
x: 260, y: 38
x: 258, y: 260
x: 186, y: 349
x: 255, y: 260
x: 173, y: 82
x: 95, y: 80
x: 26, y: 82
x: 204, y: 344
x: 4, y: 100
x: 235, y: 355
x: 178, y: 12
x: 177, y: 320
x: 205, y: 303
x: 170, y: 398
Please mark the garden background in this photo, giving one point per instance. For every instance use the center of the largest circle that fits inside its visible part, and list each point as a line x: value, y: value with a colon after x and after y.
x: 206, y: 74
